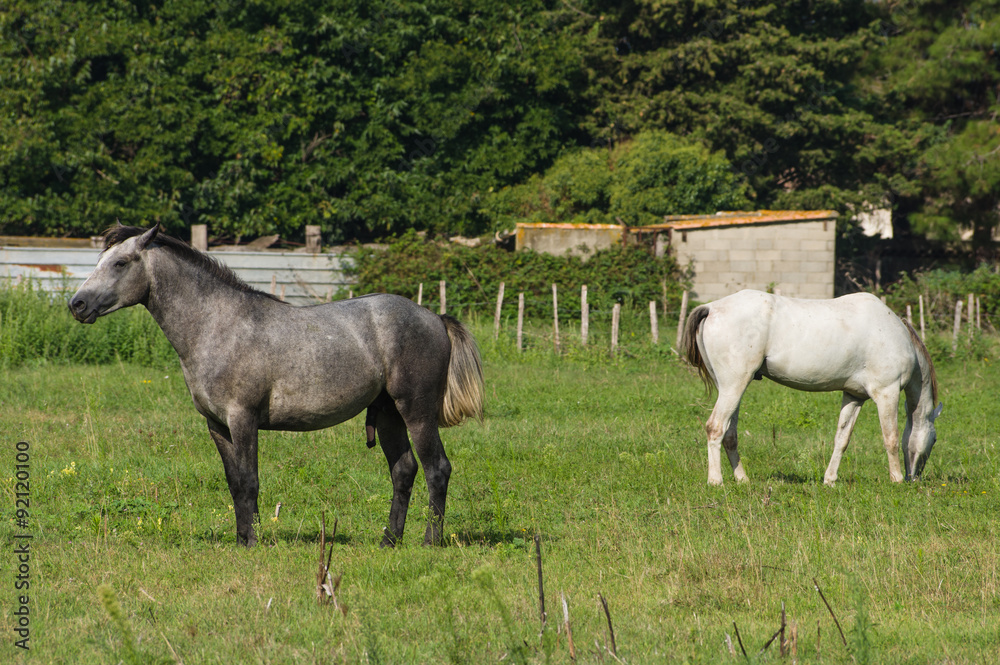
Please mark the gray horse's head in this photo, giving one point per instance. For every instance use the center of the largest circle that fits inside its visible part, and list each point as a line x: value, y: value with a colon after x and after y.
x: 920, y: 442
x: 118, y: 281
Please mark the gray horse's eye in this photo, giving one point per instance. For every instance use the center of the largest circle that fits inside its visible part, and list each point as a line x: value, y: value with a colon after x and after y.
x: 120, y: 263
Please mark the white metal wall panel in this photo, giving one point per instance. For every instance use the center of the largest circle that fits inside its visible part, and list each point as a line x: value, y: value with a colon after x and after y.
x: 303, y: 278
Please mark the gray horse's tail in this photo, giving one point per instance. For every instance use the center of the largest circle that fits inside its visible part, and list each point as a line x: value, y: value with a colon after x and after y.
x: 463, y: 394
x: 689, y: 344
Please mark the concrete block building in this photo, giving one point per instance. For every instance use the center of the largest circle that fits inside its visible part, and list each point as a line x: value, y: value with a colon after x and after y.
x: 787, y: 251
x: 791, y: 252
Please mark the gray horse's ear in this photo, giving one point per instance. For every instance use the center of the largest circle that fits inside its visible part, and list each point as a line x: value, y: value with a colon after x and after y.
x: 937, y: 410
x: 148, y: 236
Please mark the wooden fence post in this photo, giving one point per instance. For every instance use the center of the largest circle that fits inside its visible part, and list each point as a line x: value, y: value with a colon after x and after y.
x: 616, y: 313
x: 496, y: 316
x: 681, y: 318
x: 958, y: 325
x: 520, y: 318
x: 199, y: 237
x: 923, y: 335
x: 555, y: 319
x: 970, y: 315
x: 909, y: 315
x: 654, y: 324
x: 313, y: 239
x: 444, y: 298
x: 584, y: 316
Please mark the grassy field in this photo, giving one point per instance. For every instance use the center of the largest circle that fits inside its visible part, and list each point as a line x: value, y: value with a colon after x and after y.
x: 604, y: 460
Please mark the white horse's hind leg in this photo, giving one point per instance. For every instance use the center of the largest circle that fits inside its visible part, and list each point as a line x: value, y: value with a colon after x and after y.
x: 718, y: 425
x: 850, y: 407
x: 729, y: 442
x: 888, y: 415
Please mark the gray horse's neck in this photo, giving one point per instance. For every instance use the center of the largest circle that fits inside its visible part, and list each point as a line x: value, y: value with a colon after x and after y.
x: 189, y: 303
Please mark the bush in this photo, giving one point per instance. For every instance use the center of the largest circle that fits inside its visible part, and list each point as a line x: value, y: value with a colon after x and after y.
x: 36, y: 325
x: 639, y: 182
x: 631, y: 276
x: 941, y: 289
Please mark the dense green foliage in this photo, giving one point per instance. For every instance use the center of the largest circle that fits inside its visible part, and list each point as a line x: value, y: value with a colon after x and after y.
x: 628, y: 275
x: 635, y: 183
x: 938, y: 75
x: 370, y: 118
x: 363, y: 117
x: 36, y: 327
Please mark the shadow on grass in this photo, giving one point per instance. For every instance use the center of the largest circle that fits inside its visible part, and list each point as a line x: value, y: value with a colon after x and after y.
x: 493, y: 537
x: 282, y: 535
x: 792, y: 478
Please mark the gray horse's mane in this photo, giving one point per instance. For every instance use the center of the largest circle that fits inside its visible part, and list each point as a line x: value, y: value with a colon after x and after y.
x: 184, y: 251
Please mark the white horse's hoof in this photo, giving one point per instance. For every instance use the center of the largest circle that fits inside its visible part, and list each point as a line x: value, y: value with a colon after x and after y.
x: 715, y: 481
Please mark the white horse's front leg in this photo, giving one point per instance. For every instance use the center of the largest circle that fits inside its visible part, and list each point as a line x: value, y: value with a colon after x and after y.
x: 850, y: 407
x: 888, y: 416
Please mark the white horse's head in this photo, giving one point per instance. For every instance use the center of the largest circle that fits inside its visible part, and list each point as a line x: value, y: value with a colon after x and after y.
x: 119, y: 280
x: 920, y: 442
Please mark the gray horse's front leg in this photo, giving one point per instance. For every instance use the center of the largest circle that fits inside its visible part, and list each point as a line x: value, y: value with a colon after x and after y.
x: 237, y: 445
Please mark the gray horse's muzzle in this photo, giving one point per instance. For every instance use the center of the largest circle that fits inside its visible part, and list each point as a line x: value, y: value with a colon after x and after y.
x: 82, y: 311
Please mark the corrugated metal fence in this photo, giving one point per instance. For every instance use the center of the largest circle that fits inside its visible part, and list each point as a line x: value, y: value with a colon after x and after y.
x: 301, y: 278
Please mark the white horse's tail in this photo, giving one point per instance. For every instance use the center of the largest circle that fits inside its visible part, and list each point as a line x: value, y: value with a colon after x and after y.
x: 689, y: 344
x: 463, y: 393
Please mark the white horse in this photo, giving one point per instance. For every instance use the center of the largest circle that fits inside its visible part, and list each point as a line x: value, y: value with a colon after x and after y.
x: 854, y: 344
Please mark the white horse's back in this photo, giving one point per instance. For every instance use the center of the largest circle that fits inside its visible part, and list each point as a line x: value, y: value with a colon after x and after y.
x: 852, y: 343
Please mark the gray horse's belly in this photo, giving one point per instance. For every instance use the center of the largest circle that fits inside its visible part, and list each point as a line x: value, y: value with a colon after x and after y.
x: 291, y: 408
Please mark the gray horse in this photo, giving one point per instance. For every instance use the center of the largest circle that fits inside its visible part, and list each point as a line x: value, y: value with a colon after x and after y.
x: 253, y: 362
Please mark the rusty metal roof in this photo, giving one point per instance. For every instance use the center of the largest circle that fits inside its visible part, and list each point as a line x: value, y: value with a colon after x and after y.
x: 739, y: 218
x: 687, y: 222
x: 566, y: 225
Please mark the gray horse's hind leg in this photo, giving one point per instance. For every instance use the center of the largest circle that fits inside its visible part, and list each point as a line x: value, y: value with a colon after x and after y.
x: 437, y: 471
x: 422, y: 423
x: 402, y: 468
x: 237, y: 446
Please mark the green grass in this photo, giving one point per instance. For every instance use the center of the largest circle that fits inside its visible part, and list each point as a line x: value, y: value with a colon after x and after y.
x: 605, y: 459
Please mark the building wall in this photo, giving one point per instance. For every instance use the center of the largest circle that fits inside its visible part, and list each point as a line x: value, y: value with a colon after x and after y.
x: 562, y: 239
x: 796, y: 258
x: 303, y: 278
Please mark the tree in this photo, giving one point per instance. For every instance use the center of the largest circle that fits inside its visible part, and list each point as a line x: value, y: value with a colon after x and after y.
x: 636, y: 183
x: 939, y: 76
x: 769, y: 84
x: 367, y: 118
